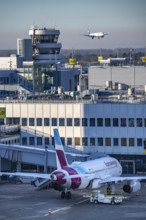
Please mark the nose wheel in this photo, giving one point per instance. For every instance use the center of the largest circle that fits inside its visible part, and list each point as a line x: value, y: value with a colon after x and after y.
x: 66, y: 195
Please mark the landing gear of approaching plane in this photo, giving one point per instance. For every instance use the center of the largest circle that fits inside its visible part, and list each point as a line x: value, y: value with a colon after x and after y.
x: 66, y: 195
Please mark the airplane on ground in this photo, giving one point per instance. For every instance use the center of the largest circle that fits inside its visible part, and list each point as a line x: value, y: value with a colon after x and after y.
x: 96, y: 34
x: 92, y: 174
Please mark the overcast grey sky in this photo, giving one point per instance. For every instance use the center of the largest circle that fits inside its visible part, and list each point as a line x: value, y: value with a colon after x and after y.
x: 124, y: 20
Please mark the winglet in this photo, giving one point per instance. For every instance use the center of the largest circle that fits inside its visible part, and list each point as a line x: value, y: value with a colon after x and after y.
x: 60, y: 155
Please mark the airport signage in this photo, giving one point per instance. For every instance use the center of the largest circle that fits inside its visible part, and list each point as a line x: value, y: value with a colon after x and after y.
x: 100, y: 58
x: 144, y: 59
x: 72, y: 61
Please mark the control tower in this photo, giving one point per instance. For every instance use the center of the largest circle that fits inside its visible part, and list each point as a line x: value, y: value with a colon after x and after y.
x: 46, y: 56
x: 45, y: 48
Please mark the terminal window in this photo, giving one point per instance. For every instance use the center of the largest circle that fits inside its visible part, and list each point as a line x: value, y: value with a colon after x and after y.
x: 31, y: 121
x: 69, y: 121
x: 16, y: 121
x: 46, y: 122
x: 39, y: 121
x: 139, y: 142
x: 100, y: 141
x: 107, y: 122
x: 47, y: 141
x: 123, y: 122
x: 123, y: 142
x: 31, y: 141
x: 24, y: 140
x: 131, y: 122
x: 84, y: 141
x: 69, y: 141
x: 107, y: 141
x: 1, y: 121
x: 139, y: 122
x: 39, y: 140
x: 92, y: 122
x: 61, y: 121
x: 99, y: 122
x: 115, y: 122
x: 84, y: 122
x: 76, y: 122
x: 24, y: 122
x: 9, y: 121
x: 115, y: 141
x: 131, y: 142
x: 77, y: 141
x: 54, y: 121
x: 92, y: 141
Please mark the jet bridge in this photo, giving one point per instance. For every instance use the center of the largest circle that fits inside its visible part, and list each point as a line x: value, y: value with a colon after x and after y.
x: 34, y: 156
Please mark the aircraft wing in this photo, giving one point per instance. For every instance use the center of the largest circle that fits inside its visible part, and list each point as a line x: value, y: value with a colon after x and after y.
x: 122, y: 179
x: 104, y: 180
x: 86, y: 35
x: 21, y: 174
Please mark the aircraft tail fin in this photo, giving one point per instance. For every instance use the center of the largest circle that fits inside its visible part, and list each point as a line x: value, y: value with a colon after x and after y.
x: 60, y: 154
x: 88, y: 31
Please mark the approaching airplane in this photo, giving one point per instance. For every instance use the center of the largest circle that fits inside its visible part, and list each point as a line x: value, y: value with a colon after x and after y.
x: 92, y: 174
x: 96, y: 34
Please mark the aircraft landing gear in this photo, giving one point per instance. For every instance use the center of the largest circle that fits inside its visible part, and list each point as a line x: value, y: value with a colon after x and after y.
x: 66, y: 195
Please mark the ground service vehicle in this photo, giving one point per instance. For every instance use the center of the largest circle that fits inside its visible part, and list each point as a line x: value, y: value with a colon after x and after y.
x: 99, y: 197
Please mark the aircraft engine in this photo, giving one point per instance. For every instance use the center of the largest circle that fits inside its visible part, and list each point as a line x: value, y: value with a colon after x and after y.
x: 132, y: 187
x: 96, y: 184
x: 58, y: 177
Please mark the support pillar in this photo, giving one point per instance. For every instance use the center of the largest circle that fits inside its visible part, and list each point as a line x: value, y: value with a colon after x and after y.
x: 18, y: 167
x: 46, y: 159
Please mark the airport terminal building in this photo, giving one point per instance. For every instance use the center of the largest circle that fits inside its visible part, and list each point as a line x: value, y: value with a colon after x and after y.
x: 115, y: 128
x: 103, y: 110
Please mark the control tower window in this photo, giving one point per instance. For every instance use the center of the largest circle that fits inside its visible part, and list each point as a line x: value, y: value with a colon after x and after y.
x: 46, y: 38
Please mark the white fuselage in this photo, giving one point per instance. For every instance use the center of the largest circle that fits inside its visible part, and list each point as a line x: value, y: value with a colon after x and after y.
x: 98, y: 34
x: 99, y: 169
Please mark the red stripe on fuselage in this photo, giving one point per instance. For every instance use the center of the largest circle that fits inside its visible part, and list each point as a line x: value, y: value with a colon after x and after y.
x: 75, y: 182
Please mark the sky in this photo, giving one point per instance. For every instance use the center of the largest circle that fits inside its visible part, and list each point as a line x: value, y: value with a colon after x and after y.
x: 124, y: 20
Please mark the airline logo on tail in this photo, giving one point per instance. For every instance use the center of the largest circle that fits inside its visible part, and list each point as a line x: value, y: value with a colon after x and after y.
x: 60, y: 155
